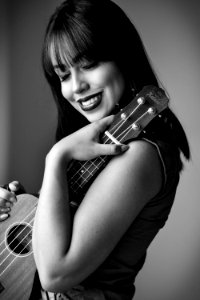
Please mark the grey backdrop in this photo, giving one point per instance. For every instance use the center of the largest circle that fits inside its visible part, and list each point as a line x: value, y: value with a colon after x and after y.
x: 170, y: 31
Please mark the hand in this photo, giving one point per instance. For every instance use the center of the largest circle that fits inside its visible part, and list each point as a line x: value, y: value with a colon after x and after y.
x: 84, y: 143
x: 8, y: 198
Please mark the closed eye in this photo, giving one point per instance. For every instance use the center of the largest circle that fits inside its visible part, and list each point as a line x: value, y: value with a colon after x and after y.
x: 64, y: 77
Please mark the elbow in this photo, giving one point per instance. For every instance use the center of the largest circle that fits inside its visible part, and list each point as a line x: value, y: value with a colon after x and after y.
x: 55, y: 276
x: 47, y: 280
x: 55, y: 283
x: 47, y: 284
x: 50, y: 286
x: 51, y: 283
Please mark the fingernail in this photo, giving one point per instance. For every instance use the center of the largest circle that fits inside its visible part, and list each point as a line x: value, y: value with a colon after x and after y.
x: 124, y: 147
x: 3, y: 217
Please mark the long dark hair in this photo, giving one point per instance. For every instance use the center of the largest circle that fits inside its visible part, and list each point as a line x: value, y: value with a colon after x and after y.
x: 100, y: 31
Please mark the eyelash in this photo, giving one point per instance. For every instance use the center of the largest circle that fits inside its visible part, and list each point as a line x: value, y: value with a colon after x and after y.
x: 87, y: 66
x: 64, y: 77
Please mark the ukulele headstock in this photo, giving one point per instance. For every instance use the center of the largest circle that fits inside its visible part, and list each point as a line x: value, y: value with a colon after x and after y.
x: 133, y: 118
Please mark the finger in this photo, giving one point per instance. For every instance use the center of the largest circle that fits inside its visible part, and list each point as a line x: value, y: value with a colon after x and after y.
x: 14, y: 186
x: 5, y: 203
x: 4, y: 210
x: 6, y: 195
x: 111, y: 149
x: 3, y: 217
x: 104, y: 123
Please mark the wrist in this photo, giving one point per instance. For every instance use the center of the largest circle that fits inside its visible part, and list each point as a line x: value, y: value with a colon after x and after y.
x: 57, y: 156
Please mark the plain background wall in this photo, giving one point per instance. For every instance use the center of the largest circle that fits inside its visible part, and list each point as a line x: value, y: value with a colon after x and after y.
x: 170, y: 31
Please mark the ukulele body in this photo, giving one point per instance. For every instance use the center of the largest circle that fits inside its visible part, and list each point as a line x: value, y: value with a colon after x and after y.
x: 17, y: 265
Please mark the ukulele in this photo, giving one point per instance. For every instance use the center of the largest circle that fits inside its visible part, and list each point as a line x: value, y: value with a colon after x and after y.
x: 17, y: 265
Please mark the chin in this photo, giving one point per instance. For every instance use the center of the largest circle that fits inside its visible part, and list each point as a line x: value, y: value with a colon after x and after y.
x: 97, y: 117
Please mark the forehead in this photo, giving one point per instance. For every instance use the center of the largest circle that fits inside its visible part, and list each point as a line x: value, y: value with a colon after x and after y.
x: 62, y: 57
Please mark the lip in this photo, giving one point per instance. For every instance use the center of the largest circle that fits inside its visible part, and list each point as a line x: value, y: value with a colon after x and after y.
x: 95, y: 100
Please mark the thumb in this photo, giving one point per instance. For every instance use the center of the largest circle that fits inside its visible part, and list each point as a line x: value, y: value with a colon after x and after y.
x: 16, y: 187
x: 111, y: 149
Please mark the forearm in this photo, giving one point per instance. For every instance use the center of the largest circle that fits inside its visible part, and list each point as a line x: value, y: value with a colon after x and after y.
x: 52, y: 226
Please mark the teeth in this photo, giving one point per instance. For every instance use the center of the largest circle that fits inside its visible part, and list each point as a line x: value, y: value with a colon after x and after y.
x: 90, y: 101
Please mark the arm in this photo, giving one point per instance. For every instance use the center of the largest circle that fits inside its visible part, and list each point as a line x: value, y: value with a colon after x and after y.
x: 79, y: 246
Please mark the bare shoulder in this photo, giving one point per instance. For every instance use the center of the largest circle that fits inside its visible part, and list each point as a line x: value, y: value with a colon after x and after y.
x: 140, y: 164
x: 143, y: 157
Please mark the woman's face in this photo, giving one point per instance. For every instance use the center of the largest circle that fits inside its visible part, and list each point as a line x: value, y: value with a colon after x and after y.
x: 91, y: 88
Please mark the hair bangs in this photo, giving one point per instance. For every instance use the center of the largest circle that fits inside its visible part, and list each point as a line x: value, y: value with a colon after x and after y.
x: 67, y: 48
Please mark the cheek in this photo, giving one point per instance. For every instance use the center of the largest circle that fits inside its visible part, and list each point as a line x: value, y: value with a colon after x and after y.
x: 116, y: 86
x: 65, y: 91
x: 67, y: 94
x: 113, y: 78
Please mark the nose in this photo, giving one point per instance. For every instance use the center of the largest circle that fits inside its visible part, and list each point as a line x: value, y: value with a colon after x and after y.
x: 79, y: 82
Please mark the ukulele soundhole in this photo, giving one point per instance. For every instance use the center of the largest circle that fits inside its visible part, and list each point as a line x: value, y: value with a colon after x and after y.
x: 19, y: 239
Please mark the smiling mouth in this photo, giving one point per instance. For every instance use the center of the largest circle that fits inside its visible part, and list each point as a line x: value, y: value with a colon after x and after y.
x: 90, y: 103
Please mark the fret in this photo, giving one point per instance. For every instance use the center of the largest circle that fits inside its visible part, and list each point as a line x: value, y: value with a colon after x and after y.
x: 86, y: 171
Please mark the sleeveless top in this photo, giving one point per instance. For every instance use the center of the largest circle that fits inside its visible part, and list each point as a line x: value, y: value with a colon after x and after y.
x: 114, y: 279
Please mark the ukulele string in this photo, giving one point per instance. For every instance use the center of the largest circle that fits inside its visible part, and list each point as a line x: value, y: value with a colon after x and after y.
x: 113, y: 131
x: 97, y: 165
x: 18, y: 254
x: 90, y: 173
x: 84, y: 165
x: 20, y: 223
x: 128, y: 129
x: 28, y: 225
x: 123, y: 134
x: 125, y: 119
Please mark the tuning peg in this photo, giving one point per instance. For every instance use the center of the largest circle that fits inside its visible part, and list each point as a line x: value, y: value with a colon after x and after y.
x: 123, y: 116
x: 141, y: 100
x: 136, y: 126
x: 152, y: 111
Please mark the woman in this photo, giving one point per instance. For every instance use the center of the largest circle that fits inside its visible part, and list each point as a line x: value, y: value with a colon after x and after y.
x: 95, y: 63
